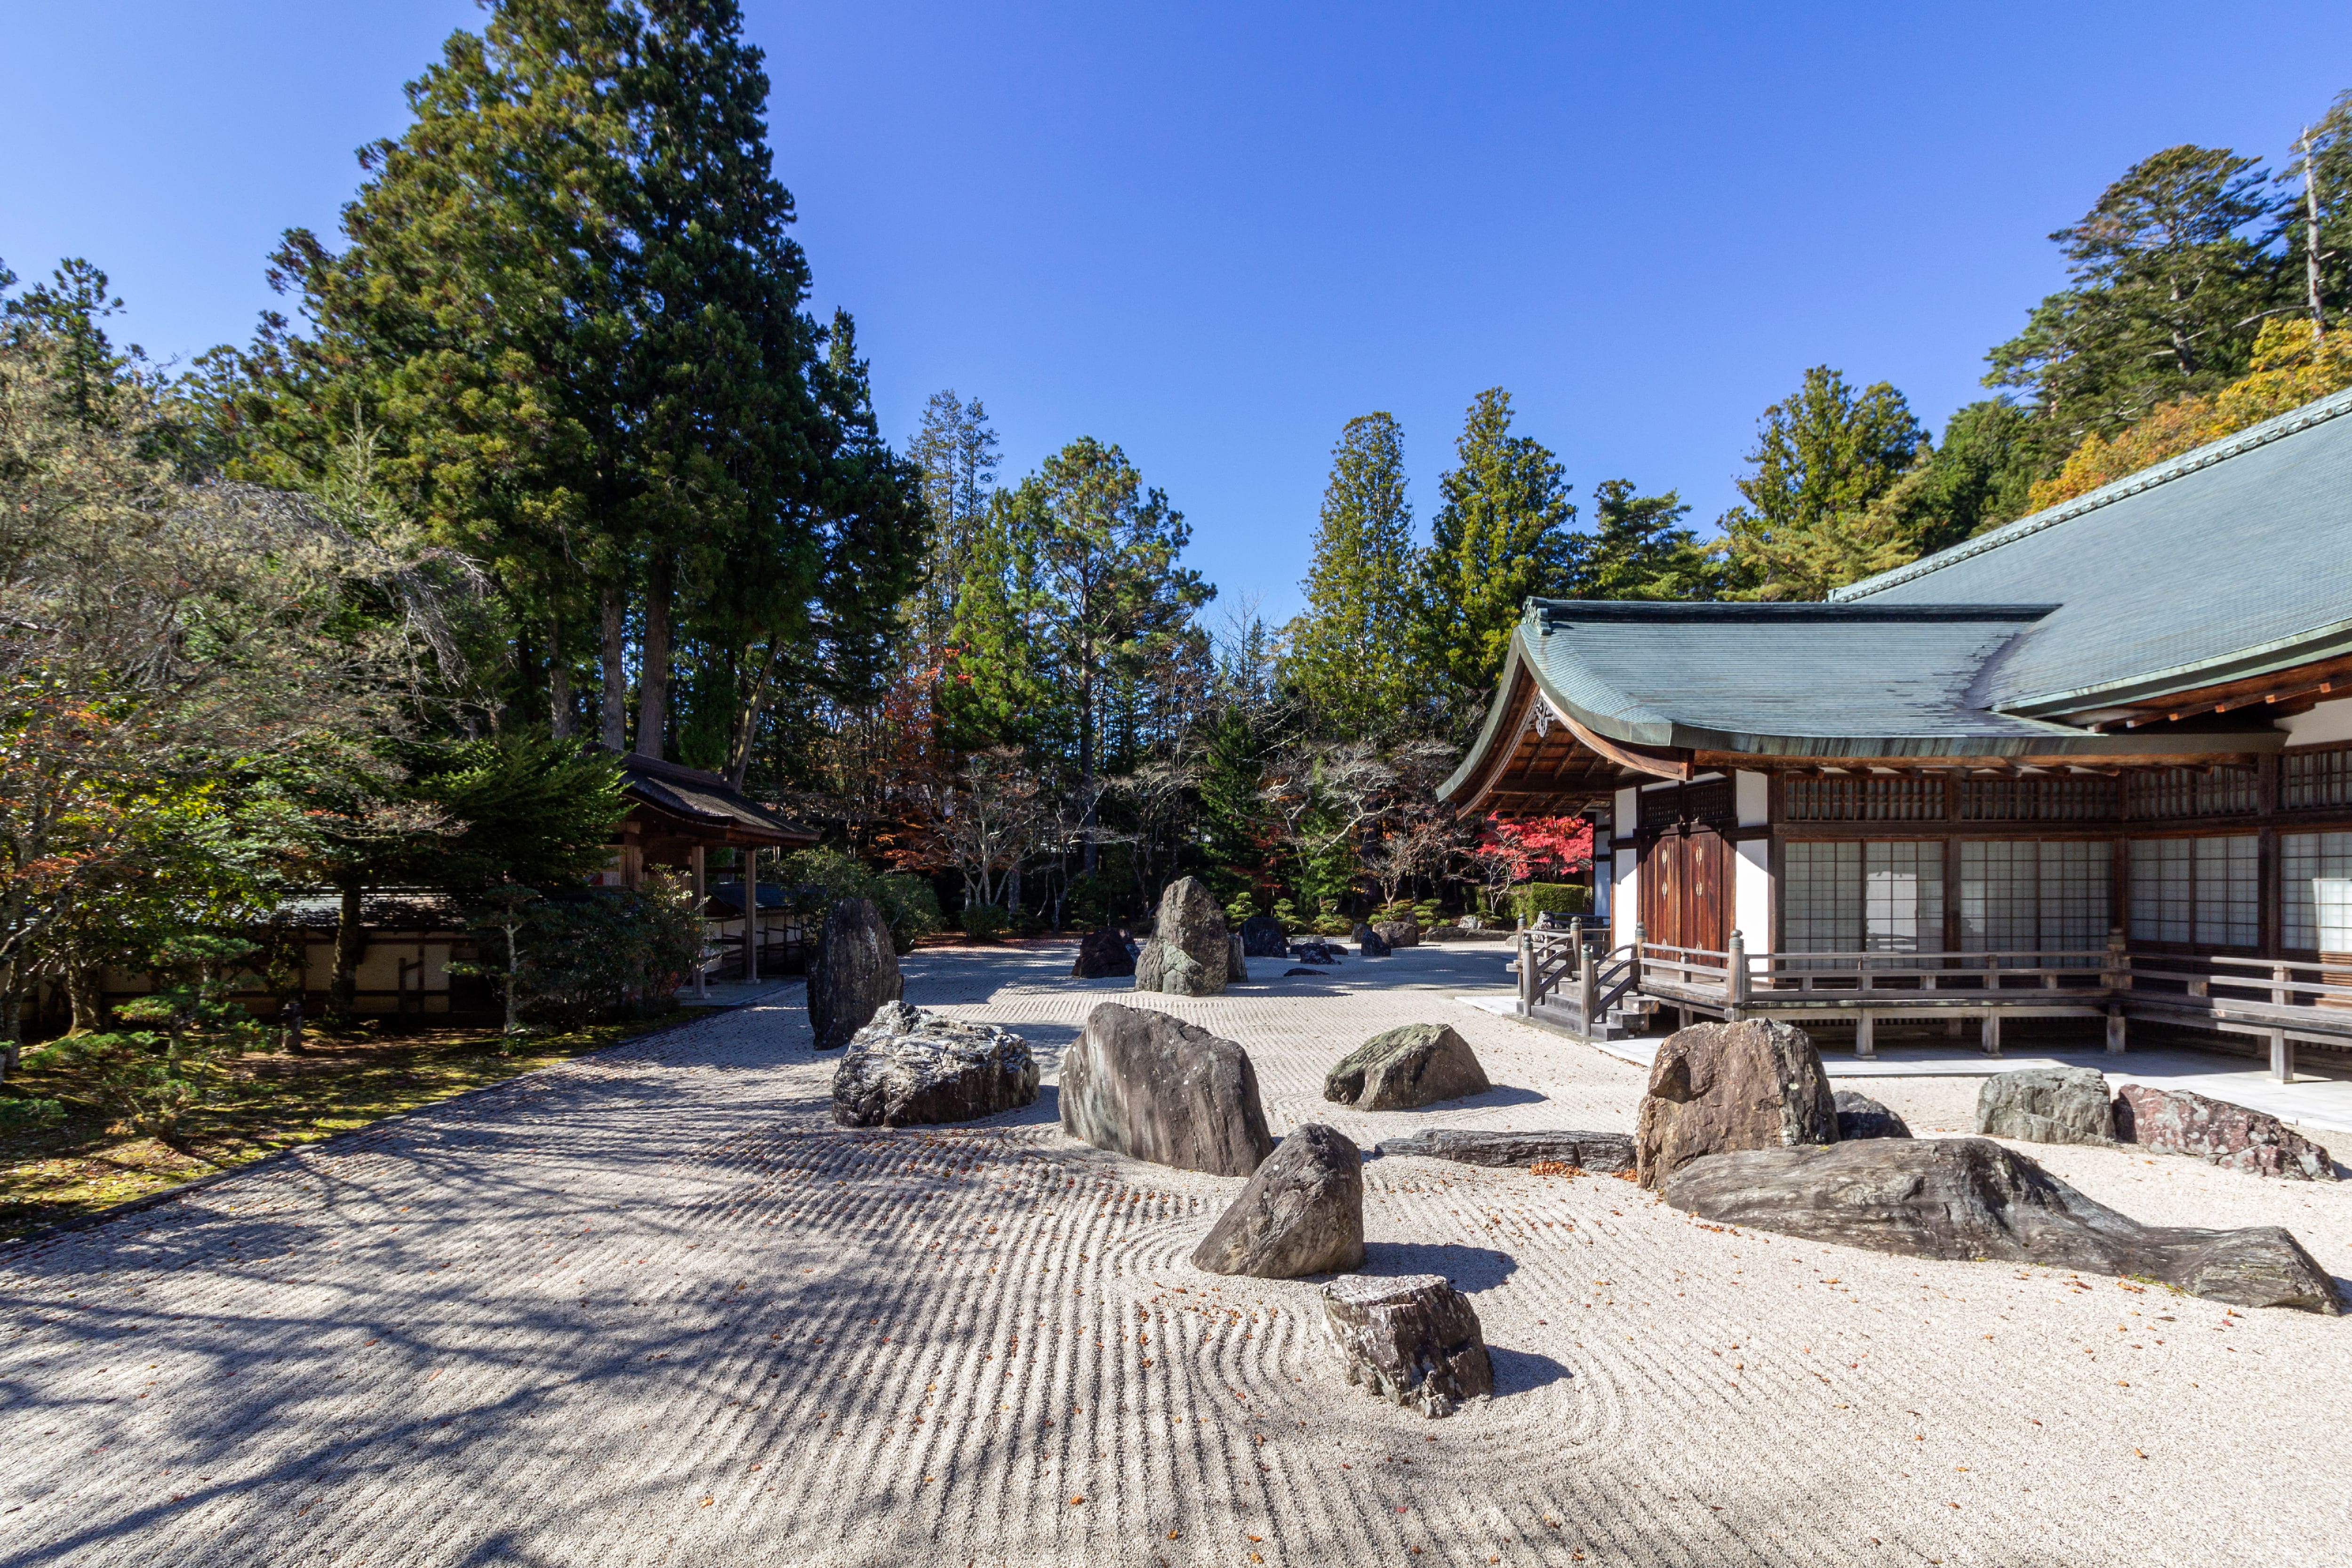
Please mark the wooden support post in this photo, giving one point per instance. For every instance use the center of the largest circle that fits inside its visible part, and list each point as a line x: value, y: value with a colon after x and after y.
x: 1865, y: 1038
x: 701, y: 986
x: 1952, y: 1026
x: 1588, y: 989
x: 2281, y: 1056
x: 1992, y: 1031
x: 750, y: 915
x: 1735, y: 972
x: 2115, y: 1028
x: 1527, y: 973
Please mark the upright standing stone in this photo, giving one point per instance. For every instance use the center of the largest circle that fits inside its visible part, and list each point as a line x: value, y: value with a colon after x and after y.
x: 853, y: 971
x: 1758, y: 1084
x: 1263, y: 937
x: 1152, y: 1087
x: 1191, y: 954
x: 1413, y: 1339
x: 1102, y: 956
x: 1302, y: 1213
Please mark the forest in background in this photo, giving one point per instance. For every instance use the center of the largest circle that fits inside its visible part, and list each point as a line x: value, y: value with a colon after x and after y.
x: 548, y: 447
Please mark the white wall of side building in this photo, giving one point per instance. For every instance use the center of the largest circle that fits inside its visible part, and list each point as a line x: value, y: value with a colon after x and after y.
x: 2327, y: 723
x: 1752, y: 864
x: 1624, y: 901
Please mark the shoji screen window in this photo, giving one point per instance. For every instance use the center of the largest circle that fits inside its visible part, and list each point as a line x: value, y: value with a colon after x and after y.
x: 2315, y: 892
x: 1903, y: 897
x: 2229, y: 891
x: 1821, y: 905
x: 2162, y: 874
x: 2025, y: 895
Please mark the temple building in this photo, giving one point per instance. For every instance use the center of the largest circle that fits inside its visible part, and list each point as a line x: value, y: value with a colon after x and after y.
x: 2095, y: 764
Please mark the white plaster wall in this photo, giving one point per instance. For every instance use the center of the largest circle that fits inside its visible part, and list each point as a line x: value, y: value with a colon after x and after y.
x: 1628, y: 814
x: 1751, y: 894
x: 2328, y: 721
x: 1752, y: 797
x: 1625, y: 899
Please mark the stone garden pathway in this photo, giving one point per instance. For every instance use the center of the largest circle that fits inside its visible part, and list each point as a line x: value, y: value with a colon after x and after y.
x: 653, y: 1307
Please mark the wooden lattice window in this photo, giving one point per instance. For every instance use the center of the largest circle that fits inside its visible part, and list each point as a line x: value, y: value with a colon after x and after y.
x: 2037, y: 800
x: 2316, y: 778
x: 1863, y: 800
x: 1711, y: 801
x: 2193, y: 792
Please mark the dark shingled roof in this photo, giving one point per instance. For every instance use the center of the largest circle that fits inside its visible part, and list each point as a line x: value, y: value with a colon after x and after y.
x: 701, y: 797
x: 2234, y: 560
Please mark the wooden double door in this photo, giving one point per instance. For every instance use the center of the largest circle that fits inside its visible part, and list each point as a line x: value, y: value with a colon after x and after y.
x: 1686, y: 888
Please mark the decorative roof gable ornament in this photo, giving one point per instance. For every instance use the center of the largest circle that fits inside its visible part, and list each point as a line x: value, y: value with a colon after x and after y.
x: 1540, y: 717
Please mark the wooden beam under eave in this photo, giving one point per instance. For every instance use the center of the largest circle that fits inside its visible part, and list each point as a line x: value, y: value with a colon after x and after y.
x: 1658, y: 762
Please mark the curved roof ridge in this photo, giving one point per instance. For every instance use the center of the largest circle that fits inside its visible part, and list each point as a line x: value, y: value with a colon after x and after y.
x: 2317, y: 412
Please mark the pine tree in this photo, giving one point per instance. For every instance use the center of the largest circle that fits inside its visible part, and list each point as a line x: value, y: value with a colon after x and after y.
x: 1501, y: 533
x: 957, y: 453
x: 1822, y: 456
x: 1350, y: 649
x: 2169, y: 285
x: 1640, y: 551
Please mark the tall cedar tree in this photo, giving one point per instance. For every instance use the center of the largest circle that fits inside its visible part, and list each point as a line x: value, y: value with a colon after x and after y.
x: 956, y: 451
x: 1822, y: 459
x: 1978, y: 477
x: 1502, y: 533
x: 568, y: 302
x: 2316, y: 217
x: 1114, y: 598
x: 2170, y: 283
x: 1639, y: 549
x: 996, y: 686
x: 1350, y: 649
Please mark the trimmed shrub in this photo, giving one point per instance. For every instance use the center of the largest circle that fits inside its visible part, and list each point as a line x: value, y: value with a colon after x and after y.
x: 985, y: 923
x: 1532, y: 900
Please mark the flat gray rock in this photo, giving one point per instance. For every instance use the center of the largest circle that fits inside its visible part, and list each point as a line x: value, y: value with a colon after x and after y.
x: 1302, y: 1213
x: 1972, y: 1198
x: 908, y: 1067
x: 1413, y: 1341
x: 1859, y: 1116
x: 1154, y: 1088
x: 853, y: 971
x: 2047, y: 1105
x: 1418, y: 1064
x: 1609, y: 1151
x: 1758, y: 1084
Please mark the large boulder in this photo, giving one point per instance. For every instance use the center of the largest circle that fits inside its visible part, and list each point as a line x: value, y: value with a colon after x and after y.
x: 1102, y: 954
x: 2047, y: 1105
x: 1155, y: 1088
x: 908, y: 1067
x: 1859, y: 1116
x: 1418, y: 1064
x: 2174, y: 1121
x: 852, y: 973
x: 1263, y: 937
x: 1719, y: 1087
x: 1609, y: 1151
x: 1191, y: 952
x: 1302, y: 1213
x: 1413, y: 1339
x: 1370, y: 944
x: 1972, y: 1198
x: 1399, y: 933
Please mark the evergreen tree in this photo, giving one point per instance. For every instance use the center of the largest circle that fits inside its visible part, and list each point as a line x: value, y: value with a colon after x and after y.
x: 1978, y: 477
x: 2169, y: 285
x: 1350, y: 648
x: 1501, y: 534
x: 996, y: 687
x: 956, y: 451
x: 2316, y: 220
x: 1640, y: 551
x: 1822, y: 456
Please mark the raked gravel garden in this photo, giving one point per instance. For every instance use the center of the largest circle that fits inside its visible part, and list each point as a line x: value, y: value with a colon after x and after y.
x: 653, y: 1306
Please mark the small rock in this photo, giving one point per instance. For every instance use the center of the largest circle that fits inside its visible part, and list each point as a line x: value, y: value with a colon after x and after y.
x: 2047, y: 1105
x: 1413, y: 1339
x: 1316, y: 953
x: 1152, y: 1087
x: 1757, y: 1084
x: 853, y: 972
x: 1302, y: 1213
x: 1263, y: 937
x: 1590, y: 1151
x: 1859, y: 1116
x: 2176, y: 1121
x: 1417, y: 1065
x: 1102, y: 954
x: 910, y: 1068
x: 1370, y: 944
x: 1972, y: 1198
x: 1289, y: 973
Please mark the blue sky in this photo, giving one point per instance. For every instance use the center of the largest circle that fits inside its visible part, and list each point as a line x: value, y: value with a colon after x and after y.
x: 1213, y: 234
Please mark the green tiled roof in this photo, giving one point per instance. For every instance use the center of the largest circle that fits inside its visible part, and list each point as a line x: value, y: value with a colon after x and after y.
x: 2232, y: 560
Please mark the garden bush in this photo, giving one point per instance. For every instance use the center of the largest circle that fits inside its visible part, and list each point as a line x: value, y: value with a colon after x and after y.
x: 985, y: 923
x: 1529, y: 900
x: 596, y: 953
x: 820, y: 879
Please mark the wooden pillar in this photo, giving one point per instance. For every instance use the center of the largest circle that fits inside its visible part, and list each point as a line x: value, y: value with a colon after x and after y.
x: 2281, y: 1056
x: 1526, y: 972
x: 701, y: 891
x: 1865, y: 1036
x: 2115, y: 1028
x: 1992, y: 1031
x: 750, y: 915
